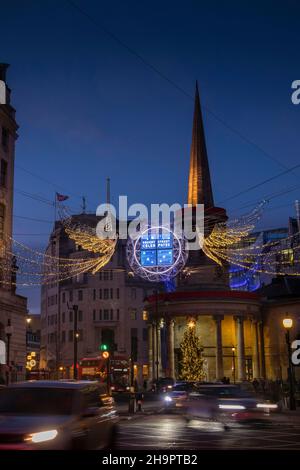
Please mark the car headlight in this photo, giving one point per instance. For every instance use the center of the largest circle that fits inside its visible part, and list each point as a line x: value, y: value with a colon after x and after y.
x: 232, y: 407
x: 167, y: 399
x: 42, y: 436
x: 271, y: 406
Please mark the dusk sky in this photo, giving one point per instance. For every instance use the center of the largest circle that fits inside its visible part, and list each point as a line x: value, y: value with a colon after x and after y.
x: 90, y: 104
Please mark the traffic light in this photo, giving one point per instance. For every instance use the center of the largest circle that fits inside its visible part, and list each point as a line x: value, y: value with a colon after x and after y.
x: 103, y: 347
x: 105, y: 354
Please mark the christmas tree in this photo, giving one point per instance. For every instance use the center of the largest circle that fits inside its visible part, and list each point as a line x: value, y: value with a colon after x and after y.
x: 192, y: 359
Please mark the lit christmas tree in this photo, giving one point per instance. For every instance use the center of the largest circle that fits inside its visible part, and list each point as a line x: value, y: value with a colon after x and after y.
x: 192, y: 360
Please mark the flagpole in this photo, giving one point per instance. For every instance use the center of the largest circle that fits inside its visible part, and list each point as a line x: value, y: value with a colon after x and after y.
x: 55, y: 196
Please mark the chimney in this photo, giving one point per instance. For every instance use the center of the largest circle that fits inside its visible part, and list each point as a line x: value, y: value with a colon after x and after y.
x: 3, y: 68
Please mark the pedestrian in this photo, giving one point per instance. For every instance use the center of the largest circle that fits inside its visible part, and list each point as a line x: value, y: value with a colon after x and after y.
x: 139, y: 397
x: 255, y: 384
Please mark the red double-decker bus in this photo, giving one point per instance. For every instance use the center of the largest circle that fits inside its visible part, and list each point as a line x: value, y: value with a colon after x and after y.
x: 95, y: 368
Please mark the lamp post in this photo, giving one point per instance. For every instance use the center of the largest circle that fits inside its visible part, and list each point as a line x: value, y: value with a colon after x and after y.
x: 157, y: 338
x: 233, y: 363
x: 8, y: 332
x: 75, y: 339
x: 287, y: 324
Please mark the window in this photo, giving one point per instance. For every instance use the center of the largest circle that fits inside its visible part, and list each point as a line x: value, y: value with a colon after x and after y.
x: 64, y: 298
x: 3, y: 173
x: 70, y: 336
x: 100, y: 293
x: 4, y: 138
x: 134, y: 344
x: 111, y: 293
x: 106, y: 292
x: 106, y: 315
x: 145, y: 315
x: 100, y: 314
x: 79, y: 315
x: 145, y: 334
x: 80, y: 333
x: 63, y: 317
x: 100, y: 276
x: 71, y: 296
x: 63, y: 336
x: 105, y: 275
x: 118, y: 293
x: 111, y: 275
x: 133, y: 314
x: 118, y: 314
x: 80, y: 295
x: 94, y: 294
x: 2, y: 219
x: 133, y: 294
x: 111, y: 314
x: 94, y: 315
x: 71, y: 315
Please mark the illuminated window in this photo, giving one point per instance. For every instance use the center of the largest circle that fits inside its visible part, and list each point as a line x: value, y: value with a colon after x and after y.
x: 145, y: 369
x: 145, y: 315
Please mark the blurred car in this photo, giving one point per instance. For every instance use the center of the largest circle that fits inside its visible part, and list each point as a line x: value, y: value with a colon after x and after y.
x: 162, y: 385
x: 40, y: 415
x: 178, y: 392
x: 226, y: 404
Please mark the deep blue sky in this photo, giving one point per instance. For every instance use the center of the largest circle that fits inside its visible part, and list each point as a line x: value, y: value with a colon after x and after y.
x: 88, y: 108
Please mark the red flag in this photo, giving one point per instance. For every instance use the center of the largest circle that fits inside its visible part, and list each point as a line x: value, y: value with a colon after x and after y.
x: 61, y: 197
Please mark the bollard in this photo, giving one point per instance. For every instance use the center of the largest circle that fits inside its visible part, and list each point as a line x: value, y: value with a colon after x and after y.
x: 132, y: 404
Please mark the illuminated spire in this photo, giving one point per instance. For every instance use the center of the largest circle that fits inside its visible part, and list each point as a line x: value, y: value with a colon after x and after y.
x: 199, y: 191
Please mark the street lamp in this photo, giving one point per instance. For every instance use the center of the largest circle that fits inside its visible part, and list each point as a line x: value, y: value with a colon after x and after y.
x: 75, y: 339
x: 287, y: 324
x: 233, y: 363
x: 8, y: 331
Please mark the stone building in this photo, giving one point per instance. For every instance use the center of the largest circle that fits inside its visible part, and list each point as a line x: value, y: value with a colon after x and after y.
x: 13, y: 307
x: 110, y: 309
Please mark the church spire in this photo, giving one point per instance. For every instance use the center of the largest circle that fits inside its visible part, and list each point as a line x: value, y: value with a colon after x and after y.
x: 199, y: 190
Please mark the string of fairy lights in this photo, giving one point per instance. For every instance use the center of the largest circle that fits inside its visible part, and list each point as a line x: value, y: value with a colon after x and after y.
x: 229, y: 242
x: 24, y: 266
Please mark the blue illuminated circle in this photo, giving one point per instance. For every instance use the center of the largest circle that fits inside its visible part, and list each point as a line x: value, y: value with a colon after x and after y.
x: 157, y: 254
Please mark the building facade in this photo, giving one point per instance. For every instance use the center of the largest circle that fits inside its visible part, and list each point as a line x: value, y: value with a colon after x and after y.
x: 241, y: 332
x: 13, y: 307
x: 110, y: 310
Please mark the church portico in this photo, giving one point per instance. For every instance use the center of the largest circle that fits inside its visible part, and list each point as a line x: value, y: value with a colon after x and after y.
x: 228, y: 327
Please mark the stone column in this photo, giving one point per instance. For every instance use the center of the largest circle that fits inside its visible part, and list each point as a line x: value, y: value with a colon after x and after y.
x: 240, y: 349
x: 150, y: 352
x: 171, y: 357
x: 262, y: 350
x: 154, y: 350
x: 159, y: 349
x: 255, y: 350
x: 219, y: 347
